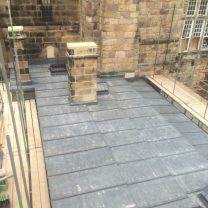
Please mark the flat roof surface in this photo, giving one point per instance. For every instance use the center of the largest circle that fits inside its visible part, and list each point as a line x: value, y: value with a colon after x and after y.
x: 131, y: 150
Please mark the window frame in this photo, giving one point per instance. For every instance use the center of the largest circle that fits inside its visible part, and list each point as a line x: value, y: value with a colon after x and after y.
x: 188, y: 40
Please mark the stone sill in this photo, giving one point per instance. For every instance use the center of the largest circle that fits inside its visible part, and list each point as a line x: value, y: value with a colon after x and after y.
x: 82, y: 56
x: 202, y: 53
x: 22, y: 37
x: 160, y: 41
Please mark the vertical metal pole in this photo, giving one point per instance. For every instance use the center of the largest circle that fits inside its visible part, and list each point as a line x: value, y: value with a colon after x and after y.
x: 22, y: 117
x: 17, y: 75
x: 171, y: 26
x: 158, y: 42
x: 175, y: 80
x: 205, y: 113
x: 22, y: 125
x: 21, y: 102
x: 17, y: 67
x: 14, y: 171
x: 14, y: 125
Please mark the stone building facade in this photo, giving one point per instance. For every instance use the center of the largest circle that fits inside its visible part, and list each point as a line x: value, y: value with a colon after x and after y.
x: 132, y: 35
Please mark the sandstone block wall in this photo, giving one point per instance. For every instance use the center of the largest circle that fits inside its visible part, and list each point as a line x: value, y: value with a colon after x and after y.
x: 127, y: 32
x: 118, y: 38
x: 82, y: 70
x: 160, y: 31
x: 61, y: 27
x: 83, y: 80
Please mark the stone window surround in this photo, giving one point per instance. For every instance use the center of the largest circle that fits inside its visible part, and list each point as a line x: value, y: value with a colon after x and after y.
x: 44, y: 2
x: 195, y: 32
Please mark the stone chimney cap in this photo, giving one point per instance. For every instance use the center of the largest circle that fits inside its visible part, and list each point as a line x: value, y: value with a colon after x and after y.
x: 15, y: 28
x: 81, y: 45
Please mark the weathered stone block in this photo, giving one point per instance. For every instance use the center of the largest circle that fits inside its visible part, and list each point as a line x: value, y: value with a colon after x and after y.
x: 82, y: 49
x: 82, y: 58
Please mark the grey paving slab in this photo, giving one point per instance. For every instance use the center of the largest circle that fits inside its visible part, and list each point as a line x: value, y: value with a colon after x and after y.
x: 39, y: 67
x: 74, y: 144
x: 52, y: 101
x: 59, y: 120
x: 156, y: 192
x: 32, y: 75
x: 118, y: 197
x: 52, y: 93
x: 133, y: 152
x: 132, y: 127
x: 104, y: 105
x: 156, y: 102
x: 117, y: 82
x: 133, y: 103
x: 202, y: 150
x: 39, y: 74
x: 151, y: 95
x: 51, y: 86
x: 122, y: 88
x: 77, y: 161
x: 60, y: 109
x: 72, y: 184
x: 68, y: 131
x: 138, y: 82
x: 196, y: 138
x: 144, y: 170
x: 143, y: 88
x: 141, y: 112
x: 51, y: 79
x: 185, y: 163
x: 127, y: 96
x: 187, y: 127
x: 108, y: 115
x: 173, y: 147
x: 175, y: 118
x: 184, y: 203
x: 166, y: 109
x: 149, y: 122
x: 123, y: 137
x: 115, y: 125
x: 193, y: 182
x: 105, y: 97
x: 159, y: 133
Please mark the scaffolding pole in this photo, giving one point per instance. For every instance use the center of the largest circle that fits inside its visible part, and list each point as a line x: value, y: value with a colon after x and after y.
x: 169, y: 36
x: 14, y: 126
x: 21, y: 104
x: 157, y: 48
x: 14, y: 170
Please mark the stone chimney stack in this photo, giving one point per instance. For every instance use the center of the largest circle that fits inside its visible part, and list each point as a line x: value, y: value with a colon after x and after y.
x: 82, y: 72
x: 20, y: 38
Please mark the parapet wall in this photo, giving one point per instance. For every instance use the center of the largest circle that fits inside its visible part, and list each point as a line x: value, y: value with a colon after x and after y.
x: 132, y: 35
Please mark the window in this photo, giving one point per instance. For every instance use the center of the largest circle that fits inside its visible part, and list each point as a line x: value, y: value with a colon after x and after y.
x: 44, y: 2
x: 191, y: 7
x: 205, y: 39
x: 187, y: 29
x: 47, y: 12
x: 203, y: 7
x: 195, y: 31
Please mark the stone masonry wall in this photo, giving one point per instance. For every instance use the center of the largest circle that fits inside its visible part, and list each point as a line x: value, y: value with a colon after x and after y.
x: 61, y: 27
x: 31, y: 12
x: 91, y: 23
x: 128, y: 33
x: 118, y: 38
x: 160, y: 31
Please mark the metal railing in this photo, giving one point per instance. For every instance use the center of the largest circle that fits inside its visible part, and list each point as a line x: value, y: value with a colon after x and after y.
x: 191, y: 79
